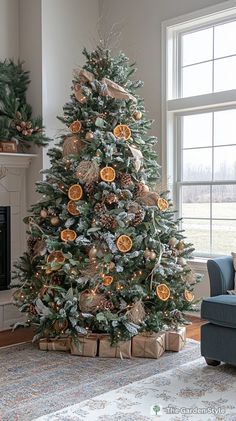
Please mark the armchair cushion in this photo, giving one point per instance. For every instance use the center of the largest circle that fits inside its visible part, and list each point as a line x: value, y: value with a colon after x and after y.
x: 220, y: 310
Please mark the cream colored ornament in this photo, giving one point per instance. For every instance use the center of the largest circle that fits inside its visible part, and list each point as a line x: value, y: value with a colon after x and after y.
x: 89, y: 136
x: 55, y: 221
x: 180, y: 245
x: 93, y: 252
x: 147, y: 253
x: 137, y: 115
x: 152, y: 255
x: 111, y: 265
x: 182, y: 261
x: 43, y: 213
x: 173, y: 241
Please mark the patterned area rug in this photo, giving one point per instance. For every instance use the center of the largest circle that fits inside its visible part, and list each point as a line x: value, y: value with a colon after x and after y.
x: 192, y: 391
x: 35, y: 383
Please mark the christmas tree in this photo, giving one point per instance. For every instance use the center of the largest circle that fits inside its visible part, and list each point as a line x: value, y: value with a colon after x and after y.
x: 105, y: 252
x: 16, y: 121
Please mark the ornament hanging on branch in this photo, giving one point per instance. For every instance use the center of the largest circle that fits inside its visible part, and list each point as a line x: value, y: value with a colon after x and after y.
x: 163, y: 292
x: 60, y: 325
x: 108, y: 222
x: 138, y: 212
x: 44, y: 213
x: 68, y: 235
x: 137, y: 157
x: 87, y: 171
x: 100, y: 208
x: 72, y: 145
x: 79, y: 94
x: 137, y: 115
x: 189, y: 296
x: 107, y: 280
x: 148, y: 199
x: 124, y: 243
x: 162, y: 204
x: 75, y: 127
x: 122, y: 131
x: 108, y: 174
x: 75, y: 192
x: 90, y: 301
x: 72, y: 208
x: 137, y: 313
x: 125, y: 180
x: 55, y: 221
x: 141, y: 189
x: 111, y: 199
x: 89, y: 136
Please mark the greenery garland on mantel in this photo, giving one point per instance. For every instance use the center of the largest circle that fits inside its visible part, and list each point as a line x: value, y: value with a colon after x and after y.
x: 16, y: 121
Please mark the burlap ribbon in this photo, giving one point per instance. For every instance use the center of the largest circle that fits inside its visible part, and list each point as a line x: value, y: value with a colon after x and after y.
x: 109, y: 87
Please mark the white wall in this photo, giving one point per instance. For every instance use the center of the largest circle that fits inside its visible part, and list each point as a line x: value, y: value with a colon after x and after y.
x: 9, y: 29
x: 67, y: 27
x: 140, y: 23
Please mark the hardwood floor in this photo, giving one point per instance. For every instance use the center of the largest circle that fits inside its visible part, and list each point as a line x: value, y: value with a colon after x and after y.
x: 26, y: 334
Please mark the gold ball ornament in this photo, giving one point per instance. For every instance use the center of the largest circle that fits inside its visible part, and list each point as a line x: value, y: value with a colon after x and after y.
x: 145, y: 188
x: 93, y: 252
x: 152, y: 255
x: 180, y: 245
x: 89, y: 136
x: 55, y: 221
x: 172, y: 242
x: 43, y: 213
x: 137, y: 115
x: 147, y: 253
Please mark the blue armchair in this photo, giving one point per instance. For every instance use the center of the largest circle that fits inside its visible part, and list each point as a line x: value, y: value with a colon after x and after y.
x: 218, y: 336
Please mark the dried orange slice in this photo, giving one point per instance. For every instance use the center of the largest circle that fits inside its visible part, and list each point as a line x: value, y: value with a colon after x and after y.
x: 163, y: 292
x: 75, y: 127
x: 122, y: 131
x: 107, y: 280
x: 189, y: 296
x: 124, y: 243
x: 162, y: 204
x: 72, y: 209
x: 56, y: 256
x: 68, y: 235
x: 108, y: 174
x: 75, y: 192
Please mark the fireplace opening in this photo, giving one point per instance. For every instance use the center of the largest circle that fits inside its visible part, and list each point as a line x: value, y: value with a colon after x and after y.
x: 5, y: 247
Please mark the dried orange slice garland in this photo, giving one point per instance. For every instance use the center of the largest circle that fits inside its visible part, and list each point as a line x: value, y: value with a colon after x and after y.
x: 72, y: 209
x: 68, y: 235
x: 75, y: 192
x: 108, y: 174
x: 107, y: 280
x: 75, y: 127
x: 124, y: 243
x: 163, y: 292
x: 56, y: 256
x: 162, y: 204
x: 189, y: 296
x: 122, y: 131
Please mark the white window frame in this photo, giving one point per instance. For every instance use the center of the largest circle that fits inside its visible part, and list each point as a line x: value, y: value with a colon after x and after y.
x: 172, y: 105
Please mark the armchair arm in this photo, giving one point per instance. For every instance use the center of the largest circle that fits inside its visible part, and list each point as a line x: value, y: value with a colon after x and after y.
x: 221, y: 274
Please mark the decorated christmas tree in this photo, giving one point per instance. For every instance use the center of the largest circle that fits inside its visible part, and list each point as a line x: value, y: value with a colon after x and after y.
x: 16, y: 121
x: 105, y: 252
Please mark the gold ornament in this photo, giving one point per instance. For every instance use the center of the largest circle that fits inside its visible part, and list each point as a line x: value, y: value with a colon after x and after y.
x: 172, y: 242
x: 108, y: 174
x: 147, y: 253
x: 189, y: 296
x: 73, y: 272
x: 68, y: 235
x: 93, y: 252
x: 124, y: 243
x: 89, y: 136
x: 137, y: 115
x: 163, y: 292
x: 162, y: 204
x: 75, y: 192
x: 180, y: 245
x: 122, y: 131
x: 87, y: 171
x: 107, y: 280
x: 152, y: 255
x: 55, y: 221
x: 43, y: 213
x: 75, y: 127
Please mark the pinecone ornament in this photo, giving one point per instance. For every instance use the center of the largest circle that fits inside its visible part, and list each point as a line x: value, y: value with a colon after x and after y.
x: 31, y: 241
x: 111, y: 199
x: 139, y: 217
x: 125, y: 180
x: 106, y: 305
x: 108, y: 221
x: 89, y: 189
x: 100, y: 208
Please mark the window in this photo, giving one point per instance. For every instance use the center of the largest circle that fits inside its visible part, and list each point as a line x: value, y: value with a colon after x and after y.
x: 199, y: 121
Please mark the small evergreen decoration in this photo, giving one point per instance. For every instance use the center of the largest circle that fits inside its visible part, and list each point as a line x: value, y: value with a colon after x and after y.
x: 105, y: 253
x: 16, y: 121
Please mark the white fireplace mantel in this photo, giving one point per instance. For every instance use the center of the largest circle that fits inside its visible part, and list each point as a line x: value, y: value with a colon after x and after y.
x: 16, y: 160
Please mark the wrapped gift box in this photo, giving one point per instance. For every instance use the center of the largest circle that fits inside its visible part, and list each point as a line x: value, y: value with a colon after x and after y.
x: 60, y: 344
x: 86, y: 346
x: 148, y: 345
x: 121, y: 350
x: 176, y: 339
x: 8, y: 146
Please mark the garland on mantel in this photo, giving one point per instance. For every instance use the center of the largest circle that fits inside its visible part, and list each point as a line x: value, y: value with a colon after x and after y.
x: 16, y: 121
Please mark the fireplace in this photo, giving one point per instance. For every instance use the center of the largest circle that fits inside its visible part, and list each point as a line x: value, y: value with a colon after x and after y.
x: 5, y: 247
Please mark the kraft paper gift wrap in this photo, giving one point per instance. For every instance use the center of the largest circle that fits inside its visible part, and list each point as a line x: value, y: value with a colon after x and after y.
x: 176, y: 339
x: 121, y: 350
x: 87, y: 346
x: 148, y: 345
x: 60, y: 344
